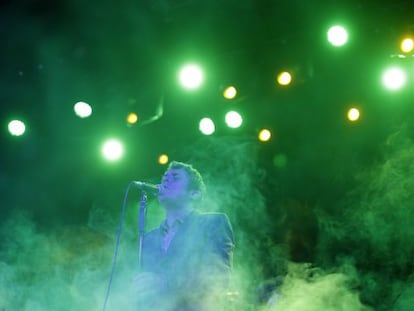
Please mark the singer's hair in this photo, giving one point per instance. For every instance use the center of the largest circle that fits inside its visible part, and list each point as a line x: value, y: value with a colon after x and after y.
x: 195, y: 179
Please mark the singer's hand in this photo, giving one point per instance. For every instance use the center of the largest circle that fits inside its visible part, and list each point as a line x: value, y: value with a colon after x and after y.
x: 148, y: 287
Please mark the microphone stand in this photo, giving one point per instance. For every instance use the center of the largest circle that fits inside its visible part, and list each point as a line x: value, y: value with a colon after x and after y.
x: 141, y: 226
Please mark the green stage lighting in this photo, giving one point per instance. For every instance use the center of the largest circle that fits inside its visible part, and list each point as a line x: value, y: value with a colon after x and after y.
x: 82, y: 109
x: 191, y: 76
x: 206, y: 126
x: 394, y: 78
x: 337, y: 35
x: 112, y: 150
x: 16, y: 128
x: 233, y: 119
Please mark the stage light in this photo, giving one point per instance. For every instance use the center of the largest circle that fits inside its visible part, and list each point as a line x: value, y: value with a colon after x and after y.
x: 112, y: 150
x: 284, y: 78
x: 233, y: 119
x: 16, y: 127
x: 337, y: 35
x: 206, y: 126
x: 353, y: 114
x: 230, y: 92
x: 82, y: 109
x: 191, y: 76
x: 132, y: 118
x: 163, y: 159
x: 394, y: 78
x: 407, y: 45
x: 264, y: 135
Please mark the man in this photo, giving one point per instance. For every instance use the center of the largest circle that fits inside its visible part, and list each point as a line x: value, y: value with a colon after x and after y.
x: 188, y: 258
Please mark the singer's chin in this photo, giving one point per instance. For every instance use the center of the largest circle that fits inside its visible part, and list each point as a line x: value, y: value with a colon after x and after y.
x: 163, y: 200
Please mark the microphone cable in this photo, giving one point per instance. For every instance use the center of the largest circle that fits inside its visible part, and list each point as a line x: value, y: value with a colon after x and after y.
x: 118, y: 238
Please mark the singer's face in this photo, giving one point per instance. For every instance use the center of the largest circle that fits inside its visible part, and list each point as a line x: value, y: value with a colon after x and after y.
x: 174, y: 185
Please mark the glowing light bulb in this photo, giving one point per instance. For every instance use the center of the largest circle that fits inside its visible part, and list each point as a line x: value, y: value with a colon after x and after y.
x: 353, y: 114
x: 132, y: 118
x: 230, y: 92
x: 265, y: 135
x: 284, y: 78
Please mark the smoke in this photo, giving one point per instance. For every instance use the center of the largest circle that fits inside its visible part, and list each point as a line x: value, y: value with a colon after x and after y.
x: 363, y: 260
x: 405, y: 297
x: 264, y: 276
x: 229, y: 166
x: 373, y: 227
x: 67, y: 269
x: 311, y: 289
x: 370, y: 233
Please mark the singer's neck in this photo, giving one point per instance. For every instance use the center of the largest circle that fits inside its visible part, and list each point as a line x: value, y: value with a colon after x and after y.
x: 178, y: 213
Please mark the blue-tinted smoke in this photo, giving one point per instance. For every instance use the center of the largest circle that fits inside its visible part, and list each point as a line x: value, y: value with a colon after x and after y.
x: 363, y: 260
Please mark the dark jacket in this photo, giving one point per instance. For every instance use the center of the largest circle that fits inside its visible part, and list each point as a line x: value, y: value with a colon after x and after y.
x: 196, y: 266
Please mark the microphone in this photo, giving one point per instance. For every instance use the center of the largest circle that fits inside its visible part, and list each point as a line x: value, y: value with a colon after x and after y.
x: 146, y: 187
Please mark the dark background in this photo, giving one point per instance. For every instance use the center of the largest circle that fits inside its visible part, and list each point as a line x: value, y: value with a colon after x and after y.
x: 123, y: 57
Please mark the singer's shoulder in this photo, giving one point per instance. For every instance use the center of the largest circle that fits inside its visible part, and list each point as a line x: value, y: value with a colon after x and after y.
x: 212, y: 217
x: 216, y: 226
